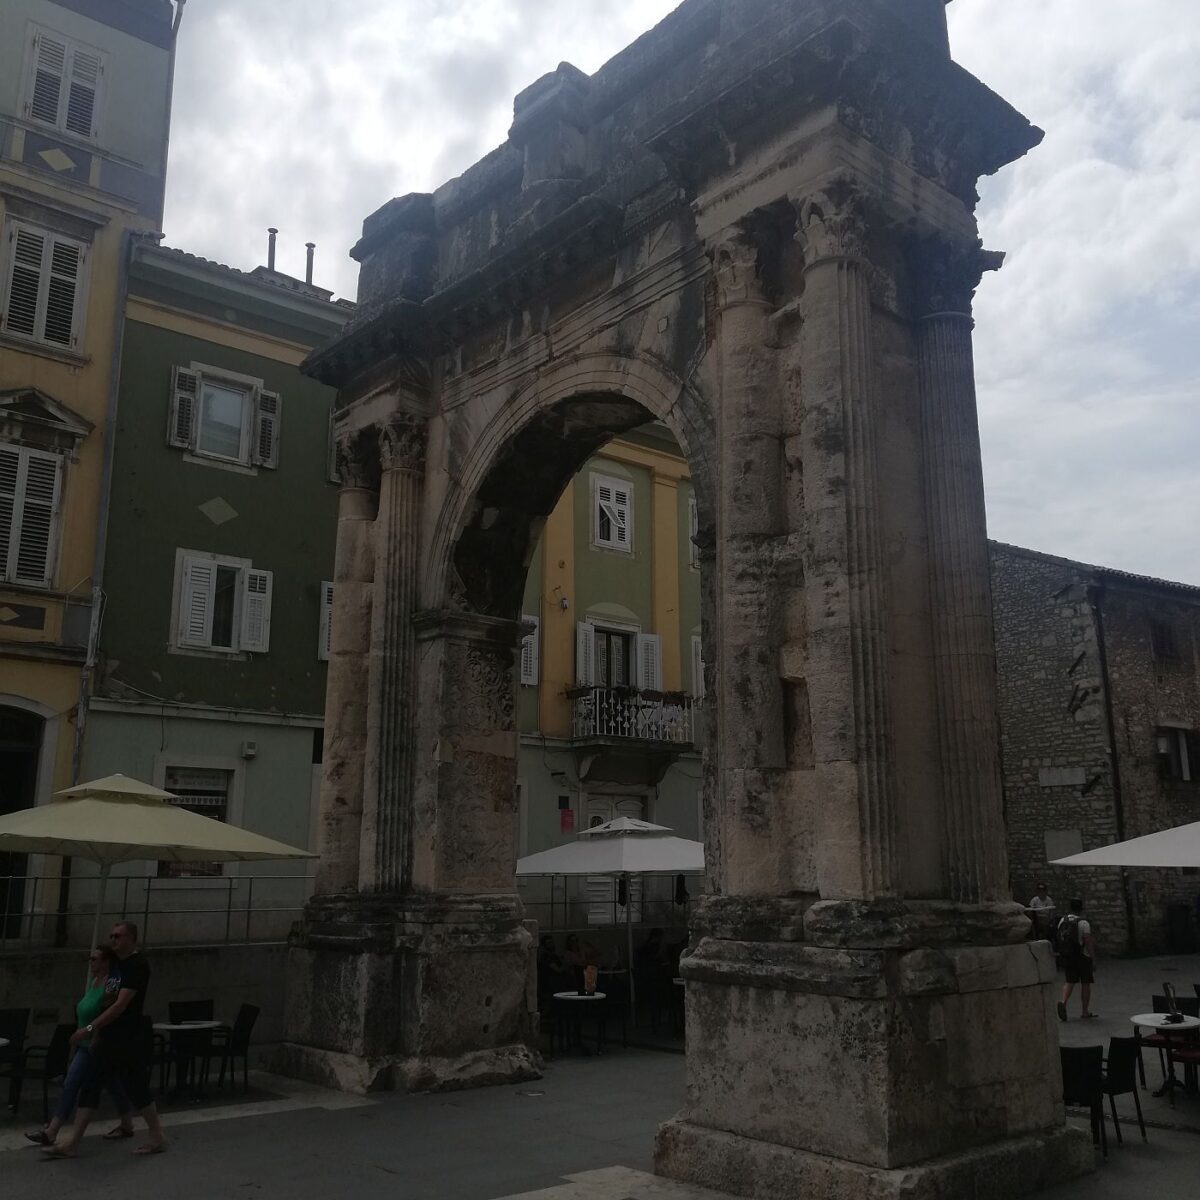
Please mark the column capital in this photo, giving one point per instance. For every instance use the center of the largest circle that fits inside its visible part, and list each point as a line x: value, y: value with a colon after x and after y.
x: 402, y: 443
x: 734, y: 255
x: 831, y: 223
x: 945, y: 273
x: 356, y: 459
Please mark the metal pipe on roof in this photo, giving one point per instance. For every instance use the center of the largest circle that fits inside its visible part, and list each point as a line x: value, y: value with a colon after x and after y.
x: 308, y: 270
x: 271, y: 232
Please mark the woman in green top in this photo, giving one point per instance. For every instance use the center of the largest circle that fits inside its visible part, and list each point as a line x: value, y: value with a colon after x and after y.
x: 101, y: 961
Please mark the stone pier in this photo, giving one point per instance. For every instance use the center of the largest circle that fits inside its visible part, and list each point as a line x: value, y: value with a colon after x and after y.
x: 756, y: 226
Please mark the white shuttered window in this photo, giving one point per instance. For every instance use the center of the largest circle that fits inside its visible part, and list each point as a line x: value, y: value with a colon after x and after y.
x: 325, y: 636
x: 612, y: 506
x: 529, y: 651
x: 64, y: 81
x: 30, y: 494
x: 43, y: 285
x: 220, y: 415
x: 649, y: 662
x: 223, y: 604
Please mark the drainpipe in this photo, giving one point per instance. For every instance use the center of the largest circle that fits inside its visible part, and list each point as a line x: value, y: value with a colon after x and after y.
x: 166, y: 141
x: 1095, y: 595
x: 128, y: 238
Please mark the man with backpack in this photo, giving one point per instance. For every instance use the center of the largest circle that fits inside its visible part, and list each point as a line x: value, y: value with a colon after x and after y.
x: 1076, y: 953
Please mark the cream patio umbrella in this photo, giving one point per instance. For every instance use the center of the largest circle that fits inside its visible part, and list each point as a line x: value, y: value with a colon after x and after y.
x: 118, y: 819
x: 1178, y: 847
x: 620, y: 848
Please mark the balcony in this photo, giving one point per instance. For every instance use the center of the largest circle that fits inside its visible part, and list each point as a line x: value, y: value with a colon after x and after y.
x: 626, y: 714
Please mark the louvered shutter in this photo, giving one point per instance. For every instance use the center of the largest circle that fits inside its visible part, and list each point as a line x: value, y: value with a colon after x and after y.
x: 613, y: 511
x: 267, y: 410
x: 24, y: 280
x: 10, y: 466
x: 38, y: 508
x: 693, y: 532
x: 529, y: 652
x: 82, y: 93
x: 585, y: 653
x: 62, y: 288
x: 325, y: 637
x: 49, y: 67
x: 622, y: 503
x: 185, y: 393
x: 196, y: 601
x: 697, y: 667
x: 256, y: 610
x: 649, y: 662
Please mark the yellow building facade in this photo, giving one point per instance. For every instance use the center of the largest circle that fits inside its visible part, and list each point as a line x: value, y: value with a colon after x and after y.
x: 84, y: 121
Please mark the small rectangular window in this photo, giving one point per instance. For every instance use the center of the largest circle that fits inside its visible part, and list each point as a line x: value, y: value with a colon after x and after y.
x: 1162, y: 642
x: 203, y: 792
x: 64, y: 81
x: 1178, y: 754
x: 612, y: 504
x: 224, y: 604
x: 43, y: 285
x: 216, y: 414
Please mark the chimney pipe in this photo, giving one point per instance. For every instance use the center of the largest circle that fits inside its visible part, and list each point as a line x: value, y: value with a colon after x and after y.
x: 271, y: 248
x: 310, y: 247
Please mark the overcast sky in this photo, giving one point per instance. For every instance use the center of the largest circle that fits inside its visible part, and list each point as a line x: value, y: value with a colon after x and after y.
x: 308, y: 115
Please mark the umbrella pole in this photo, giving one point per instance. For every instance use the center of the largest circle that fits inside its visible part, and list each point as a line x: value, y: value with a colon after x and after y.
x: 105, y: 870
x: 629, y: 945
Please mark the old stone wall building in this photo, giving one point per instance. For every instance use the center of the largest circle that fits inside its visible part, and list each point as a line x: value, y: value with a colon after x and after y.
x: 1099, y: 717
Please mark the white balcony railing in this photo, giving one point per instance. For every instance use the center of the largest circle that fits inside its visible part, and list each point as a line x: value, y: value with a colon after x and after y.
x: 627, y: 713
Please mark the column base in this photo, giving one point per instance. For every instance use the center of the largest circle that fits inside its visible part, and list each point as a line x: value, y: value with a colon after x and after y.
x: 743, y: 1166
x: 417, y: 993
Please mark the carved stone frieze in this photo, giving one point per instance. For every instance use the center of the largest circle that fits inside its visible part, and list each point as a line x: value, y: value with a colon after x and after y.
x: 831, y: 224
x: 402, y: 443
x: 356, y: 459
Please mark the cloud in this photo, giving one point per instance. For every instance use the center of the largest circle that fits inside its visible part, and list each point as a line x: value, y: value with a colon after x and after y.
x: 309, y: 115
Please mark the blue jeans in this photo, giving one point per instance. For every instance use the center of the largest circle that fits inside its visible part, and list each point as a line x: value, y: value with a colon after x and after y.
x: 76, y: 1077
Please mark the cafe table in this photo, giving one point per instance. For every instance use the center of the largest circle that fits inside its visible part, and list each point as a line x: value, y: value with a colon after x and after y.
x: 574, y: 1008
x: 186, y: 1049
x: 1159, y: 1023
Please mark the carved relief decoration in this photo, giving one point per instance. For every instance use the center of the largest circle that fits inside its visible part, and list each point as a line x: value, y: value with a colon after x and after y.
x: 946, y: 273
x: 402, y: 443
x: 356, y: 459
x: 831, y: 225
x: 735, y: 267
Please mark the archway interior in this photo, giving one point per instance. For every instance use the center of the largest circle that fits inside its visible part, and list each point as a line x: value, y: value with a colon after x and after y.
x: 583, y: 530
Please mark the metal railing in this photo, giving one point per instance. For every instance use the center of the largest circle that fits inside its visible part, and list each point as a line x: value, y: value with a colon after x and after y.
x: 627, y: 713
x: 203, y: 911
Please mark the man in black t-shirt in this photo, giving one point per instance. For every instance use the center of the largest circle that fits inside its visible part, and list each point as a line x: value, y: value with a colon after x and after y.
x: 119, y: 1047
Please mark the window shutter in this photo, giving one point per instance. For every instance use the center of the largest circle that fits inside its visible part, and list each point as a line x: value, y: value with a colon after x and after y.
x: 10, y: 466
x: 37, y: 508
x: 185, y: 391
x: 256, y: 610
x: 324, y: 642
x: 196, y: 601
x: 614, y: 502
x: 50, y: 59
x: 693, y: 532
x: 66, y: 262
x: 24, y: 281
x: 649, y: 663
x: 265, y: 451
x: 697, y: 667
x: 82, y: 93
x: 529, y: 652
x: 585, y: 654
x: 622, y: 503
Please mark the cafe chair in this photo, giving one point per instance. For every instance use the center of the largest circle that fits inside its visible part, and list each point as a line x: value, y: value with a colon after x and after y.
x: 46, y: 1063
x: 1083, y: 1086
x: 14, y: 1022
x: 186, y: 1048
x: 1120, y: 1078
x: 230, y: 1043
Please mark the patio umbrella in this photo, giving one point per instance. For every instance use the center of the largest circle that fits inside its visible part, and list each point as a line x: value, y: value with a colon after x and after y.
x: 118, y: 819
x: 1178, y: 847
x: 619, y: 848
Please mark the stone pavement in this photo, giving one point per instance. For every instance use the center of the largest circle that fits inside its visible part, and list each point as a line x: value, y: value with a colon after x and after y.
x: 584, y: 1132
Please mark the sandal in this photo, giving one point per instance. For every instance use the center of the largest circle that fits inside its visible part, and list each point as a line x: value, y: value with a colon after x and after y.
x: 115, y: 1135
x: 52, y: 1152
x: 151, y: 1148
x: 40, y: 1137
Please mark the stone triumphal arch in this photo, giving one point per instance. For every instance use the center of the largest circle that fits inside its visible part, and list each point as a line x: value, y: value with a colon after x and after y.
x: 754, y: 225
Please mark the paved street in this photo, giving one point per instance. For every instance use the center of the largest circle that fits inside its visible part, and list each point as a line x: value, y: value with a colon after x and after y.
x: 557, y: 1139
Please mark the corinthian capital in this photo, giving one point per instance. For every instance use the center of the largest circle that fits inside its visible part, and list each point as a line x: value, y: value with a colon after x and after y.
x: 402, y: 443
x: 734, y: 257
x: 356, y: 459
x: 945, y: 274
x: 831, y: 224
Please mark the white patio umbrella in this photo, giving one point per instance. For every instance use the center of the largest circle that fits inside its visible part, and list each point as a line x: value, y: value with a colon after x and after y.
x: 118, y: 819
x: 619, y: 848
x: 1178, y: 847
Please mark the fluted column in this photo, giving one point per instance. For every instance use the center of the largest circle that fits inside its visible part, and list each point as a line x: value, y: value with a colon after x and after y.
x: 750, y: 857
x: 959, y: 573
x: 389, y: 778
x: 345, y: 741
x: 846, y: 581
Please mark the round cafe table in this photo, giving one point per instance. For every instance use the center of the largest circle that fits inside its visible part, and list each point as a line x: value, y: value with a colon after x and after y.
x: 185, y: 1049
x: 1159, y: 1024
x: 570, y: 1010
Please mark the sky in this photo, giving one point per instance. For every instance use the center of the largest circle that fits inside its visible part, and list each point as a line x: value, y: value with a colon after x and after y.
x: 308, y: 115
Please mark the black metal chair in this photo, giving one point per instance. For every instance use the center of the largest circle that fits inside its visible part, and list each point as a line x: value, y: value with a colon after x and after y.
x: 47, y: 1063
x: 1120, y: 1078
x: 232, y: 1043
x: 186, y: 1048
x: 1083, y: 1086
x: 14, y: 1023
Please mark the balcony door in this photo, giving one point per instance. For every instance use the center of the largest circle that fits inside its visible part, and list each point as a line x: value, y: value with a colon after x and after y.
x: 602, y: 893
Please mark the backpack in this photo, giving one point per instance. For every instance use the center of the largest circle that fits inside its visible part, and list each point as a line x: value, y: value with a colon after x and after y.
x: 1069, y: 941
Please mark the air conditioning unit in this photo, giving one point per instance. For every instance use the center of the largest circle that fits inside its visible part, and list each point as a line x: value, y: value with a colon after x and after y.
x: 249, y: 749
